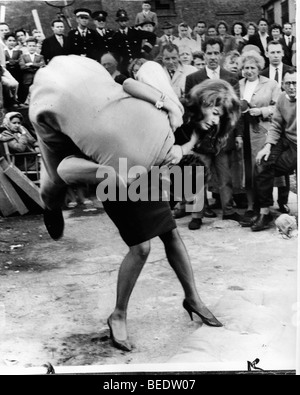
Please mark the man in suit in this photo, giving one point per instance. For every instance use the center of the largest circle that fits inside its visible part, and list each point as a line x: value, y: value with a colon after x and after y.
x: 82, y: 40
x: 146, y: 14
x: 288, y: 42
x: 276, y: 71
x: 175, y: 70
x: 200, y: 33
x: 104, y: 35
x: 29, y: 65
x: 260, y: 39
x: 54, y: 45
x: 168, y: 36
x: 21, y: 37
x: 213, y: 49
x: 127, y: 41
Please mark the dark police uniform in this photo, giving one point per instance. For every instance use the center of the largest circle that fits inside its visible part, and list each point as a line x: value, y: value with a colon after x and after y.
x: 82, y: 45
x: 127, y: 43
x: 104, y: 36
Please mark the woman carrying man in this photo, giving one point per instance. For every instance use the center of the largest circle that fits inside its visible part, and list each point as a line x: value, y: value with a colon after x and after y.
x: 135, y: 122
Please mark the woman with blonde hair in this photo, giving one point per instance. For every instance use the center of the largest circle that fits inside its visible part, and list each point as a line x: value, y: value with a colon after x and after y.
x: 185, y: 54
x: 259, y: 95
x: 134, y: 66
x: 185, y: 38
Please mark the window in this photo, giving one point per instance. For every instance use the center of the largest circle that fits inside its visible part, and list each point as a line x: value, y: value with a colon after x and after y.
x: 164, y: 7
x: 270, y: 15
x: 284, y: 12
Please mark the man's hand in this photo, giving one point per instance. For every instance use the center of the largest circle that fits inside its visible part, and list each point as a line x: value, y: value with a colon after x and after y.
x: 175, y: 119
x: 255, y: 112
x: 174, y: 156
x: 239, y: 143
x: 263, y: 154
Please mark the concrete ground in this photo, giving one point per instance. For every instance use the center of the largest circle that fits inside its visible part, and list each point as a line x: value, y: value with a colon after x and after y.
x: 56, y: 296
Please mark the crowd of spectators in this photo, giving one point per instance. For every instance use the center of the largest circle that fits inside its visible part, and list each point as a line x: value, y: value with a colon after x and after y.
x: 253, y: 57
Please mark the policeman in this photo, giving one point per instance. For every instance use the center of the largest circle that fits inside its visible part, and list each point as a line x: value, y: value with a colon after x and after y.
x: 82, y: 40
x: 104, y: 35
x: 127, y: 41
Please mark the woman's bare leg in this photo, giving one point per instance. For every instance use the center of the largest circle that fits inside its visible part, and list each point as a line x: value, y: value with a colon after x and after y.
x: 129, y: 272
x: 179, y: 260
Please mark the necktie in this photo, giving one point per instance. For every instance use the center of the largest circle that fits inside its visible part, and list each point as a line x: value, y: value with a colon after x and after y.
x: 171, y: 72
x: 276, y: 75
x: 215, y: 75
x: 60, y: 40
x: 83, y: 34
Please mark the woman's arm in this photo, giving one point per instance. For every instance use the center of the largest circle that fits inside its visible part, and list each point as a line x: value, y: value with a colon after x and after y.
x: 152, y: 95
x: 187, y: 147
x: 178, y: 151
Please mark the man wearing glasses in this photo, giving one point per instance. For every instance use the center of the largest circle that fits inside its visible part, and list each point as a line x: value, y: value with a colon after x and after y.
x: 82, y: 41
x: 279, y: 154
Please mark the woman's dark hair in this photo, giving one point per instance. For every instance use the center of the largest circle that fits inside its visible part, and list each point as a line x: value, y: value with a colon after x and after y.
x: 211, y: 93
x: 222, y: 23
x: 243, y: 26
x: 275, y: 26
x: 20, y: 30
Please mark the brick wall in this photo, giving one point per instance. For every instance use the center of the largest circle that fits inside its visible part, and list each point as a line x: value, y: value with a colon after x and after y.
x: 18, y: 13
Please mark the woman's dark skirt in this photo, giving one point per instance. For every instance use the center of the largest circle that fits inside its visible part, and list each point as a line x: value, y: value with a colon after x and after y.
x: 141, y: 221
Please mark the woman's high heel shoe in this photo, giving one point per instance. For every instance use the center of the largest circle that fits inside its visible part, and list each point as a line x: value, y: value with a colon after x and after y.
x: 120, y: 344
x: 211, y: 321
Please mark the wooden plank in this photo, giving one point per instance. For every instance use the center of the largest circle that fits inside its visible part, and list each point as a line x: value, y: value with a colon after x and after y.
x: 10, y: 201
x: 22, y: 181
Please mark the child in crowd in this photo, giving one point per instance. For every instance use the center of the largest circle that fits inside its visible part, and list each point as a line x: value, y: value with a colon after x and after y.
x: 29, y: 64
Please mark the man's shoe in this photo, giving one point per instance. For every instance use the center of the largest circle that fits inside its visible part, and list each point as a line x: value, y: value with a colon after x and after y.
x: 54, y: 222
x: 209, y: 213
x: 195, y: 224
x: 284, y: 209
x: 248, y: 218
x: 179, y: 213
x: 233, y: 217
x: 263, y: 222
